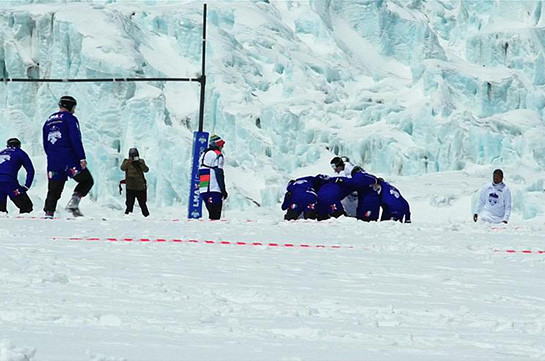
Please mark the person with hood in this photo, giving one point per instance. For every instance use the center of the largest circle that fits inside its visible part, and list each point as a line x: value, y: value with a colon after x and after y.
x: 135, y: 182
x: 11, y: 160
x: 494, y: 204
x: 65, y: 158
x: 211, y: 177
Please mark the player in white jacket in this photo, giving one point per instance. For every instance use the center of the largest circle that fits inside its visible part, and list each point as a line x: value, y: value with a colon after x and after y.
x: 211, y: 178
x: 494, y: 201
x: 342, y: 166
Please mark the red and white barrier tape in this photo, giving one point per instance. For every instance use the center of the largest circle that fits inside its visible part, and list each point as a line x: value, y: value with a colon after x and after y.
x: 526, y: 251
x: 174, y: 220
x: 234, y: 243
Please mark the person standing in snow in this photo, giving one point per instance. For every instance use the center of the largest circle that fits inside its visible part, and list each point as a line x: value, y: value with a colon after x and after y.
x: 134, y: 168
x: 211, y: 177
x: 65, y: 157
x: 11, y: 160
x: 494, y: 201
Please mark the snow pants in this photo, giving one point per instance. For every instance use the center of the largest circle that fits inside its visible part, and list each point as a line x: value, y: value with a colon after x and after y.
x: 57, y: 179
x: 302, y: 201
x: 368, y: 206
x: 18, y: 196
x: 214, y: 203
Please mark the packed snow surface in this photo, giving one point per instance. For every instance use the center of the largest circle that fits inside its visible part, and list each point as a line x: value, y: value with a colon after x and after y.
x: 431, y: 95
x: 254, y: 287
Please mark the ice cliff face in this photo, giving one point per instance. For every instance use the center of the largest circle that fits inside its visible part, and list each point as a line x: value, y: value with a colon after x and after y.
x: 402, y: 87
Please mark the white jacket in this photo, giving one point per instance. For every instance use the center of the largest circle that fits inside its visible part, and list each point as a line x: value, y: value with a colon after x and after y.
x: 210, y: 160
x: 494, y: 203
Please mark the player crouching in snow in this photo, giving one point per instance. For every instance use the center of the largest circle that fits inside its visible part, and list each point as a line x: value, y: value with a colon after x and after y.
x: 368, y: 189
x: 11, y: 160
x: 134, y: 168
x: 394, y: 206
x: 211, y: 177
x: 330, y: 195
x: 301, y: 197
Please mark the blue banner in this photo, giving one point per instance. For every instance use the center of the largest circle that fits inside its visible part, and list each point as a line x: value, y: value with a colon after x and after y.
x: 200, y: 142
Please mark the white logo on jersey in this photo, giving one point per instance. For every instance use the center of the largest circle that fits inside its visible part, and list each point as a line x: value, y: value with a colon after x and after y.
x: 394, y: 192
x: 4, y: 158
x: 53, y: 136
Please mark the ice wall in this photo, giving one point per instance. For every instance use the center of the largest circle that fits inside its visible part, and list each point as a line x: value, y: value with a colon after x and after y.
x: 402, y: 87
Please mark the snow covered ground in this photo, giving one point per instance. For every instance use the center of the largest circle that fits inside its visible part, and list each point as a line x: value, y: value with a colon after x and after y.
x: 430, y: 95
x: 442, y: 288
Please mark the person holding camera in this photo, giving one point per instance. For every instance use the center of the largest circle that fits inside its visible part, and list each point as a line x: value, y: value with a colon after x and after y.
x: 135, y: 182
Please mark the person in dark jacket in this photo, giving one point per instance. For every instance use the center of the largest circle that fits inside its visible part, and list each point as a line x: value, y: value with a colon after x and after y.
x: 11, y: 160
x: 65, y: 157
x: 134, y: 168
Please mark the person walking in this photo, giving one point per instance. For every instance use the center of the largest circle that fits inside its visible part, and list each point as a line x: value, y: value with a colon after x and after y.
x: 65, y: 158
x: 135, y: 181
x: 211, y: 177
x: 494, y: 204
x: 11, y: 160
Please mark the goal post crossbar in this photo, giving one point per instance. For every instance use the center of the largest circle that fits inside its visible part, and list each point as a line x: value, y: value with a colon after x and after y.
x: 97, y: 80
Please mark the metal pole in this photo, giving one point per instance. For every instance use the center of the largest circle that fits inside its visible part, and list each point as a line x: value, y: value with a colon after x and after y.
x: 203, y: 74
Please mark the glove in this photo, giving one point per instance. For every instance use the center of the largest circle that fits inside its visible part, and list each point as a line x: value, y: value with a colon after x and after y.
x: 224, y: 194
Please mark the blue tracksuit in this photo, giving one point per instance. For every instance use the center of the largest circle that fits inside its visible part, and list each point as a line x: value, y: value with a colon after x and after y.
x: 63, y: 146
x: 330, y: 196
x: 368, y: 195
x: 394, y: 206
x: 301, y: 195
x: 11, y: 160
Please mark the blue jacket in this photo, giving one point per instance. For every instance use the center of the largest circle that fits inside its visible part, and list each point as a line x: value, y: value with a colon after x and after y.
x: 362, y: 182
x: 302, y: 191
x: 62, y: 141
x: 391, y: 197
x: 11, y: 160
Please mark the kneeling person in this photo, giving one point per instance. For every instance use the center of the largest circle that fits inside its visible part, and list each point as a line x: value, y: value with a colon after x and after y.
x: 394, y: 206
x: 494, y: 201
x: 301, y: 198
